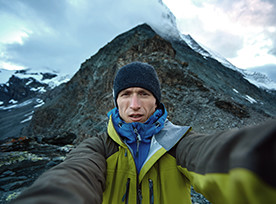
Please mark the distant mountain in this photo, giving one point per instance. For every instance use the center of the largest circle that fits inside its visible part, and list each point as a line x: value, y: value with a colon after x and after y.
x: 21, y: 92
x: 269, y: 70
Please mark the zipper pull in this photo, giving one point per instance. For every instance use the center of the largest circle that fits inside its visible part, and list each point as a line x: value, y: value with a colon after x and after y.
x: 138, y: 140
x: 151, y: 191
x: 138, y: 144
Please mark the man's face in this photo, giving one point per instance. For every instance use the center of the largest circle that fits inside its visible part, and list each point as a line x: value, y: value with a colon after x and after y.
x: 136, y: 104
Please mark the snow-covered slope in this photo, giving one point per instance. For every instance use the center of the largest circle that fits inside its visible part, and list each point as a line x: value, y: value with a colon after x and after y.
x: 257, y: 78
x: 51, y: 78
x: 24, y: 84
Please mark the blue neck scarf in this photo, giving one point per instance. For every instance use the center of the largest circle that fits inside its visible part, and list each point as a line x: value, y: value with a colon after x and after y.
x: 138, y: 135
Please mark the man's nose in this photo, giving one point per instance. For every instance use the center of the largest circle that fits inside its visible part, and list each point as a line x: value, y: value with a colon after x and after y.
x: 135, y: 102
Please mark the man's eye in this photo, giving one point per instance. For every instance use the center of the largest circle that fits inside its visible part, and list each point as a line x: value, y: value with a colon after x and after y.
x: 125, y: 94
x: 144, y: 94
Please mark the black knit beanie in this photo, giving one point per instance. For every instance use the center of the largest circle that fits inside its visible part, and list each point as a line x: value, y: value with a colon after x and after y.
x: 137, y: 74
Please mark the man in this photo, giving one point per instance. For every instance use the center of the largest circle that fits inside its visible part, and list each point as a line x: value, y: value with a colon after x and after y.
x: 144, y: 158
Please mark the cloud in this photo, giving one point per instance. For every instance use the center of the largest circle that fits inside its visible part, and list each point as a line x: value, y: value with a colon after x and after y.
x: 271, y: 33
x: 227, y: 44
x: 243, y: 31
x: 209, y: 25
x: 256, y: 16
x: 62, y: 34
x: 253, y: 12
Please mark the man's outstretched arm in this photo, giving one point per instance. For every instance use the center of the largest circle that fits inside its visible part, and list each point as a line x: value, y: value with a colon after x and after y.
x: 79, y: 179
x: 235, y: 166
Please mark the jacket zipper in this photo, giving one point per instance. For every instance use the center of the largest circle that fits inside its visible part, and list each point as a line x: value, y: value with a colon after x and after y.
x: 138, y: 140
x: 125, y: 197
x: 139, y: 192
x: 151, y: 191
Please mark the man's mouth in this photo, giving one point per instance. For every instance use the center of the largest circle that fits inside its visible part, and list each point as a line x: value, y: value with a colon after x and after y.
x: 136, y: 117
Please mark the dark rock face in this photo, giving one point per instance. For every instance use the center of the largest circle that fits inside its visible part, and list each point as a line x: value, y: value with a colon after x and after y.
x: 19, y: 97
x: 196, y: 91
x: 48, y: 76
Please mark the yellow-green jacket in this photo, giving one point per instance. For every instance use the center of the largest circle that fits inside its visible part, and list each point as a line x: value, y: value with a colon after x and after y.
x: 230, y: 167
x: 159, y: 180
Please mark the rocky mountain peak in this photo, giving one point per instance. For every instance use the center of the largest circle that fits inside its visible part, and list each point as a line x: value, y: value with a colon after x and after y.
x: 195, y: 90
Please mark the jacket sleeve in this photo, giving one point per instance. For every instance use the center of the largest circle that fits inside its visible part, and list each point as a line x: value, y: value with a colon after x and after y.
x: 236, y: 166
x: 79, y: 179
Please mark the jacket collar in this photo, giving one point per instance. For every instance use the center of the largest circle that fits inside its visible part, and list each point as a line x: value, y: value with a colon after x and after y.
x: 129, y: 131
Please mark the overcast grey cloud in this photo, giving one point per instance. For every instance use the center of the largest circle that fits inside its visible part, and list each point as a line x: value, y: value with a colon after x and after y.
x: 260, y: 12
x: 62, y: 34
x: 225, y: 43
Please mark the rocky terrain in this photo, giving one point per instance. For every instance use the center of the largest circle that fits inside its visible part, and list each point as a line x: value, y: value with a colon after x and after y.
x: 196, y: 90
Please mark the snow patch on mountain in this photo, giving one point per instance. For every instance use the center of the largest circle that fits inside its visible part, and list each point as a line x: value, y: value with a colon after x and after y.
x: 250, y: 99
x: 16, y: 105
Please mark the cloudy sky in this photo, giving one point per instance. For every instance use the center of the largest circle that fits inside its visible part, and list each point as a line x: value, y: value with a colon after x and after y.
x: 62, y: 34
x: 243, y: 31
